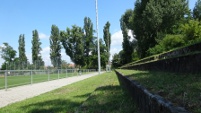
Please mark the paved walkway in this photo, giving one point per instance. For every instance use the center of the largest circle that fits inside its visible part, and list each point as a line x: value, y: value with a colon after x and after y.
x: 20, y: 93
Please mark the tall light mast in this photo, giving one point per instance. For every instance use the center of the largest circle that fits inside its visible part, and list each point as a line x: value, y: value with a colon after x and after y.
x: 99, y: 63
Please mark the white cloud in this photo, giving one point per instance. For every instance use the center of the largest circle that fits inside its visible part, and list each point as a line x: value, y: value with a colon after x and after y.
x: 29, y: 56
x: 45, y: 50
x: 1, y: 60
x: 65, y: 57
x: 43, y: 36
x: 45, y: 53
x: 114, y: 50
x: 117, y: 39
x: 131, y: 35
x: 116, y: 43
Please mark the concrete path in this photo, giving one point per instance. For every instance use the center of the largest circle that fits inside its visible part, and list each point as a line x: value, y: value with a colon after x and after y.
x: 20, y: 93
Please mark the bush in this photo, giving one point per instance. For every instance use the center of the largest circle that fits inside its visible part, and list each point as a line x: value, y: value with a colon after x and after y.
x: 191, y: 31
x: 167, y: 43
x: 156, y: 49
x: 173, y: 41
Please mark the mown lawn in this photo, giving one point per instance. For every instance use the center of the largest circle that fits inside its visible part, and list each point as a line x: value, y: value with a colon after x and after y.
x: 98, y: 94
x: 181, y: 89
x: 17, y: 80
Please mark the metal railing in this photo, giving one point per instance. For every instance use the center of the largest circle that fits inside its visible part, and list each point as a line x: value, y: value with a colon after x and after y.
x: 13, y: 78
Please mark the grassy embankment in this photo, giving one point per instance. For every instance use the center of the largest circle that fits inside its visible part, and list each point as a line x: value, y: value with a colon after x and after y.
x: 98, y: 94
x: 181, y: 89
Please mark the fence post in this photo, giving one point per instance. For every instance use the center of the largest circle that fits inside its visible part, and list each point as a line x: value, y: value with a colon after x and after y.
x: 66, y: 72
x: 58, y: 73
x: 31, y: 77
x: 6, y: 80
x: 48, y: 75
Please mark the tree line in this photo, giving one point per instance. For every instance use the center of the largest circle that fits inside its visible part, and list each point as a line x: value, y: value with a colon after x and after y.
x: 79, y: 44
x: 21, y: 62
x: 157, y: 26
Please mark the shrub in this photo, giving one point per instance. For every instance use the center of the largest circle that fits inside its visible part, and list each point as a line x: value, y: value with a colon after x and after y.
x: 191, y: 31
x: 167, y: 43
x: 172, y: 41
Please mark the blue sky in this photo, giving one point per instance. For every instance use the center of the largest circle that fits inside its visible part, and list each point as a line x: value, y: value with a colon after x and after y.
x: 23, y: 16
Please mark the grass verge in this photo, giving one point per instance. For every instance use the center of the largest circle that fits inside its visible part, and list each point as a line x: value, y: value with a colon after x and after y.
x: 181, y: 89
x: 98, y: 94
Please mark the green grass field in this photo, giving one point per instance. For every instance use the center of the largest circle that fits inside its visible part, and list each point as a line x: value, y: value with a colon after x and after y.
x: 13, y: 81
x: 181, y: 89
x: 98, y: 94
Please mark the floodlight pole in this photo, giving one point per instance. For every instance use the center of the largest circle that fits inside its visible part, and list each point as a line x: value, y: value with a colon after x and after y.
x: 99, y: 63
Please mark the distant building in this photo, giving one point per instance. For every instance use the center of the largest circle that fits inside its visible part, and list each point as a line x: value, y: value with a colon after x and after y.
x: 71, y: 65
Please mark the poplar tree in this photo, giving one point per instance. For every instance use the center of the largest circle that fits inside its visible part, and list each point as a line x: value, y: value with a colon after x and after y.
x: 55, y: 47
x: 88, y: 39
x: 197, y: 10
x: 22, y: 55
x: 107, y: 38
x: 126, y: 44
x: 36, y: 49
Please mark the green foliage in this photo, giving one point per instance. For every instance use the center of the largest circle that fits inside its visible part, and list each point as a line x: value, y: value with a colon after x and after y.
x: 156, y: 49
x: 192, y: 31
x: 8, y: 54
x: 197, y: 10
x: 135, y: 56
x: 172, y: 41
x: 72, y: 41
x: 119, y: 59
x: 107, y: 38
x: 55, y: 47
x: 127, y: 44
x: 152, y: 17
x: 94, y: 55
x: 88, y: 39
x: 190, y: 34
x: 22, y: 52
x: 167, y: 43
x: 115, y: 60
x: 103, y: 53
x: 36, y: 49
x: 127, y: 19
x: 81, y: 46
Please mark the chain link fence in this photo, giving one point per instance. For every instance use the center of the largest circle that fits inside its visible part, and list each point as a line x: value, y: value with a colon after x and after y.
x: 13, y: 78
x: 36, y: 65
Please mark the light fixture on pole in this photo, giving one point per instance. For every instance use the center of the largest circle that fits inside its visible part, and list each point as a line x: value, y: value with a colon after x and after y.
x: 99, y: 63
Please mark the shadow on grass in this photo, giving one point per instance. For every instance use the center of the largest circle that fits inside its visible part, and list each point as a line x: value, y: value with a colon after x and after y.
x: 52, y: 106
x: 108, y: 99
x: 105, y: 99
x: 83, y: 96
